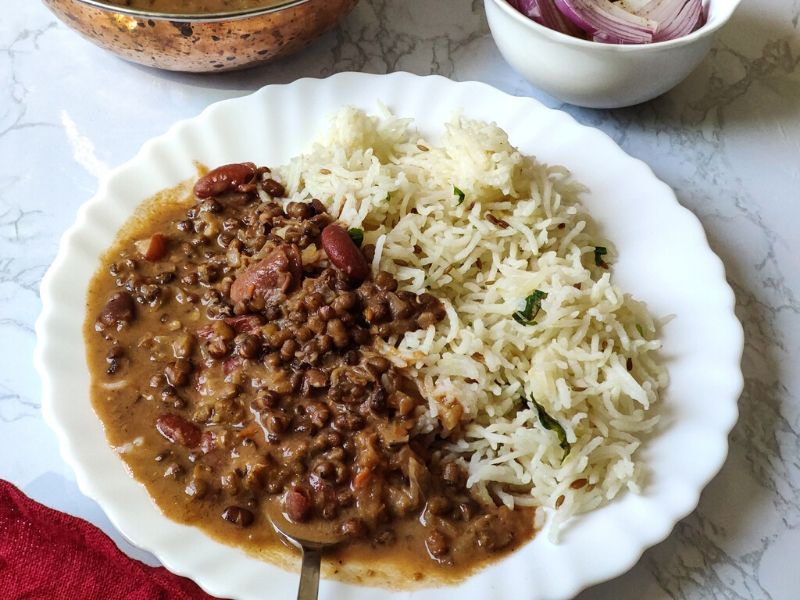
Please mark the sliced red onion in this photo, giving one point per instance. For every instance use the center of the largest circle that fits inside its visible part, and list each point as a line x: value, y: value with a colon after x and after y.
x: 676, y: 18
x: 604, y: 18
x: 546, y: 13
x: 553, y: 18
x: 632, y: 6
x: 619, y: 21
x: 608, y: 39
x: 529, y: 8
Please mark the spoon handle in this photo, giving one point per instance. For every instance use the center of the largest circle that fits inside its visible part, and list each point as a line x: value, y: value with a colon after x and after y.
x: 309, y: 575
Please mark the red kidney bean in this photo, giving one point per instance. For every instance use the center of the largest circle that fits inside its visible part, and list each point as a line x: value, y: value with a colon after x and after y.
x: 344, y: 254
x: 297, y: 506
x: 227, y: 178
x: 157, y: 248
x: 120, y: 308
x: 178, y: 430
x: 282, y: 269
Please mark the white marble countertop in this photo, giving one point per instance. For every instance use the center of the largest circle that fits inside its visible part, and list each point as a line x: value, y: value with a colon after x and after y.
x: 727, y: 140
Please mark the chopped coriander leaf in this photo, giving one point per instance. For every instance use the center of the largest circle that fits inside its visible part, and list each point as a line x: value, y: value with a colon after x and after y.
x: 357, y: 235
x: 640, y: 330
x: 519, y: 318
x: 551, y: 424
x: 533, y: 305
x: 461, y: 195
x: 599, y: 253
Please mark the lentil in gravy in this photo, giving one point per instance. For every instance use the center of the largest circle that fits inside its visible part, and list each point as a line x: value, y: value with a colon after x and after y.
x: 230, y: 343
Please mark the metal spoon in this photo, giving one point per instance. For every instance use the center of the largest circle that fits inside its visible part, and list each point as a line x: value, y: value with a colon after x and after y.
x: 311, y: 544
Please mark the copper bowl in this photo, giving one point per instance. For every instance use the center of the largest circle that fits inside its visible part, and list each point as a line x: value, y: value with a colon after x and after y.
x: 202, y: 43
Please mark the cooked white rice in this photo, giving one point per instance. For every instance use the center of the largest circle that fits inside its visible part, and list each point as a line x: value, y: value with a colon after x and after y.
x: 478, y: 365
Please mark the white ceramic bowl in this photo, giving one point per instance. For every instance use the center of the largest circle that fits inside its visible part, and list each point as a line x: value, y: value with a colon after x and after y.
x: 594, y: 74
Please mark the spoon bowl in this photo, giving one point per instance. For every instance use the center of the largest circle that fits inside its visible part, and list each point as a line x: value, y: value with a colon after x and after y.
x: 310, y: 541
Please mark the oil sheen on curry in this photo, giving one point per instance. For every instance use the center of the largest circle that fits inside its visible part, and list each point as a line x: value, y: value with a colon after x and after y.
x: 231, y: 339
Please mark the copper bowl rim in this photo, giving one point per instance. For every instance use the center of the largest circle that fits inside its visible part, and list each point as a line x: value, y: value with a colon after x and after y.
x: 196, y: 17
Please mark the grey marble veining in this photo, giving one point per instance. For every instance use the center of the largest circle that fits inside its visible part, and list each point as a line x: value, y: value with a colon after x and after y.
x: 727, y: 140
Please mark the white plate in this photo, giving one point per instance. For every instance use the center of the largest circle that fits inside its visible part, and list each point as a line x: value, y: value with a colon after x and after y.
x: 664, y: 259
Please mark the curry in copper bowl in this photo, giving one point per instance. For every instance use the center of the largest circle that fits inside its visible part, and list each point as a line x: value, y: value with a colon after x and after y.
x: 201, y: 35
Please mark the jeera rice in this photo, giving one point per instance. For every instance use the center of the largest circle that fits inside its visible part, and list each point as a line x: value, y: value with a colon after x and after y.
x: 543, y: 368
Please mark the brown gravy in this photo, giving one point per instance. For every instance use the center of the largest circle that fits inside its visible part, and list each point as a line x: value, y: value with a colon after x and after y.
x: 186, y: 384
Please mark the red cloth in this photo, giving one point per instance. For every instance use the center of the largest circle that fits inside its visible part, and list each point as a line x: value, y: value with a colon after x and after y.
x: 50, y: 555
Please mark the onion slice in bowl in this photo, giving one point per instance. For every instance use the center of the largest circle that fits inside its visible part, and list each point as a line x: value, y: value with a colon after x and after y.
x: 606, y: 19
x: 529, y: 8
x: 553, y: 18
x: 546, y: 13
x: 676, y: 18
